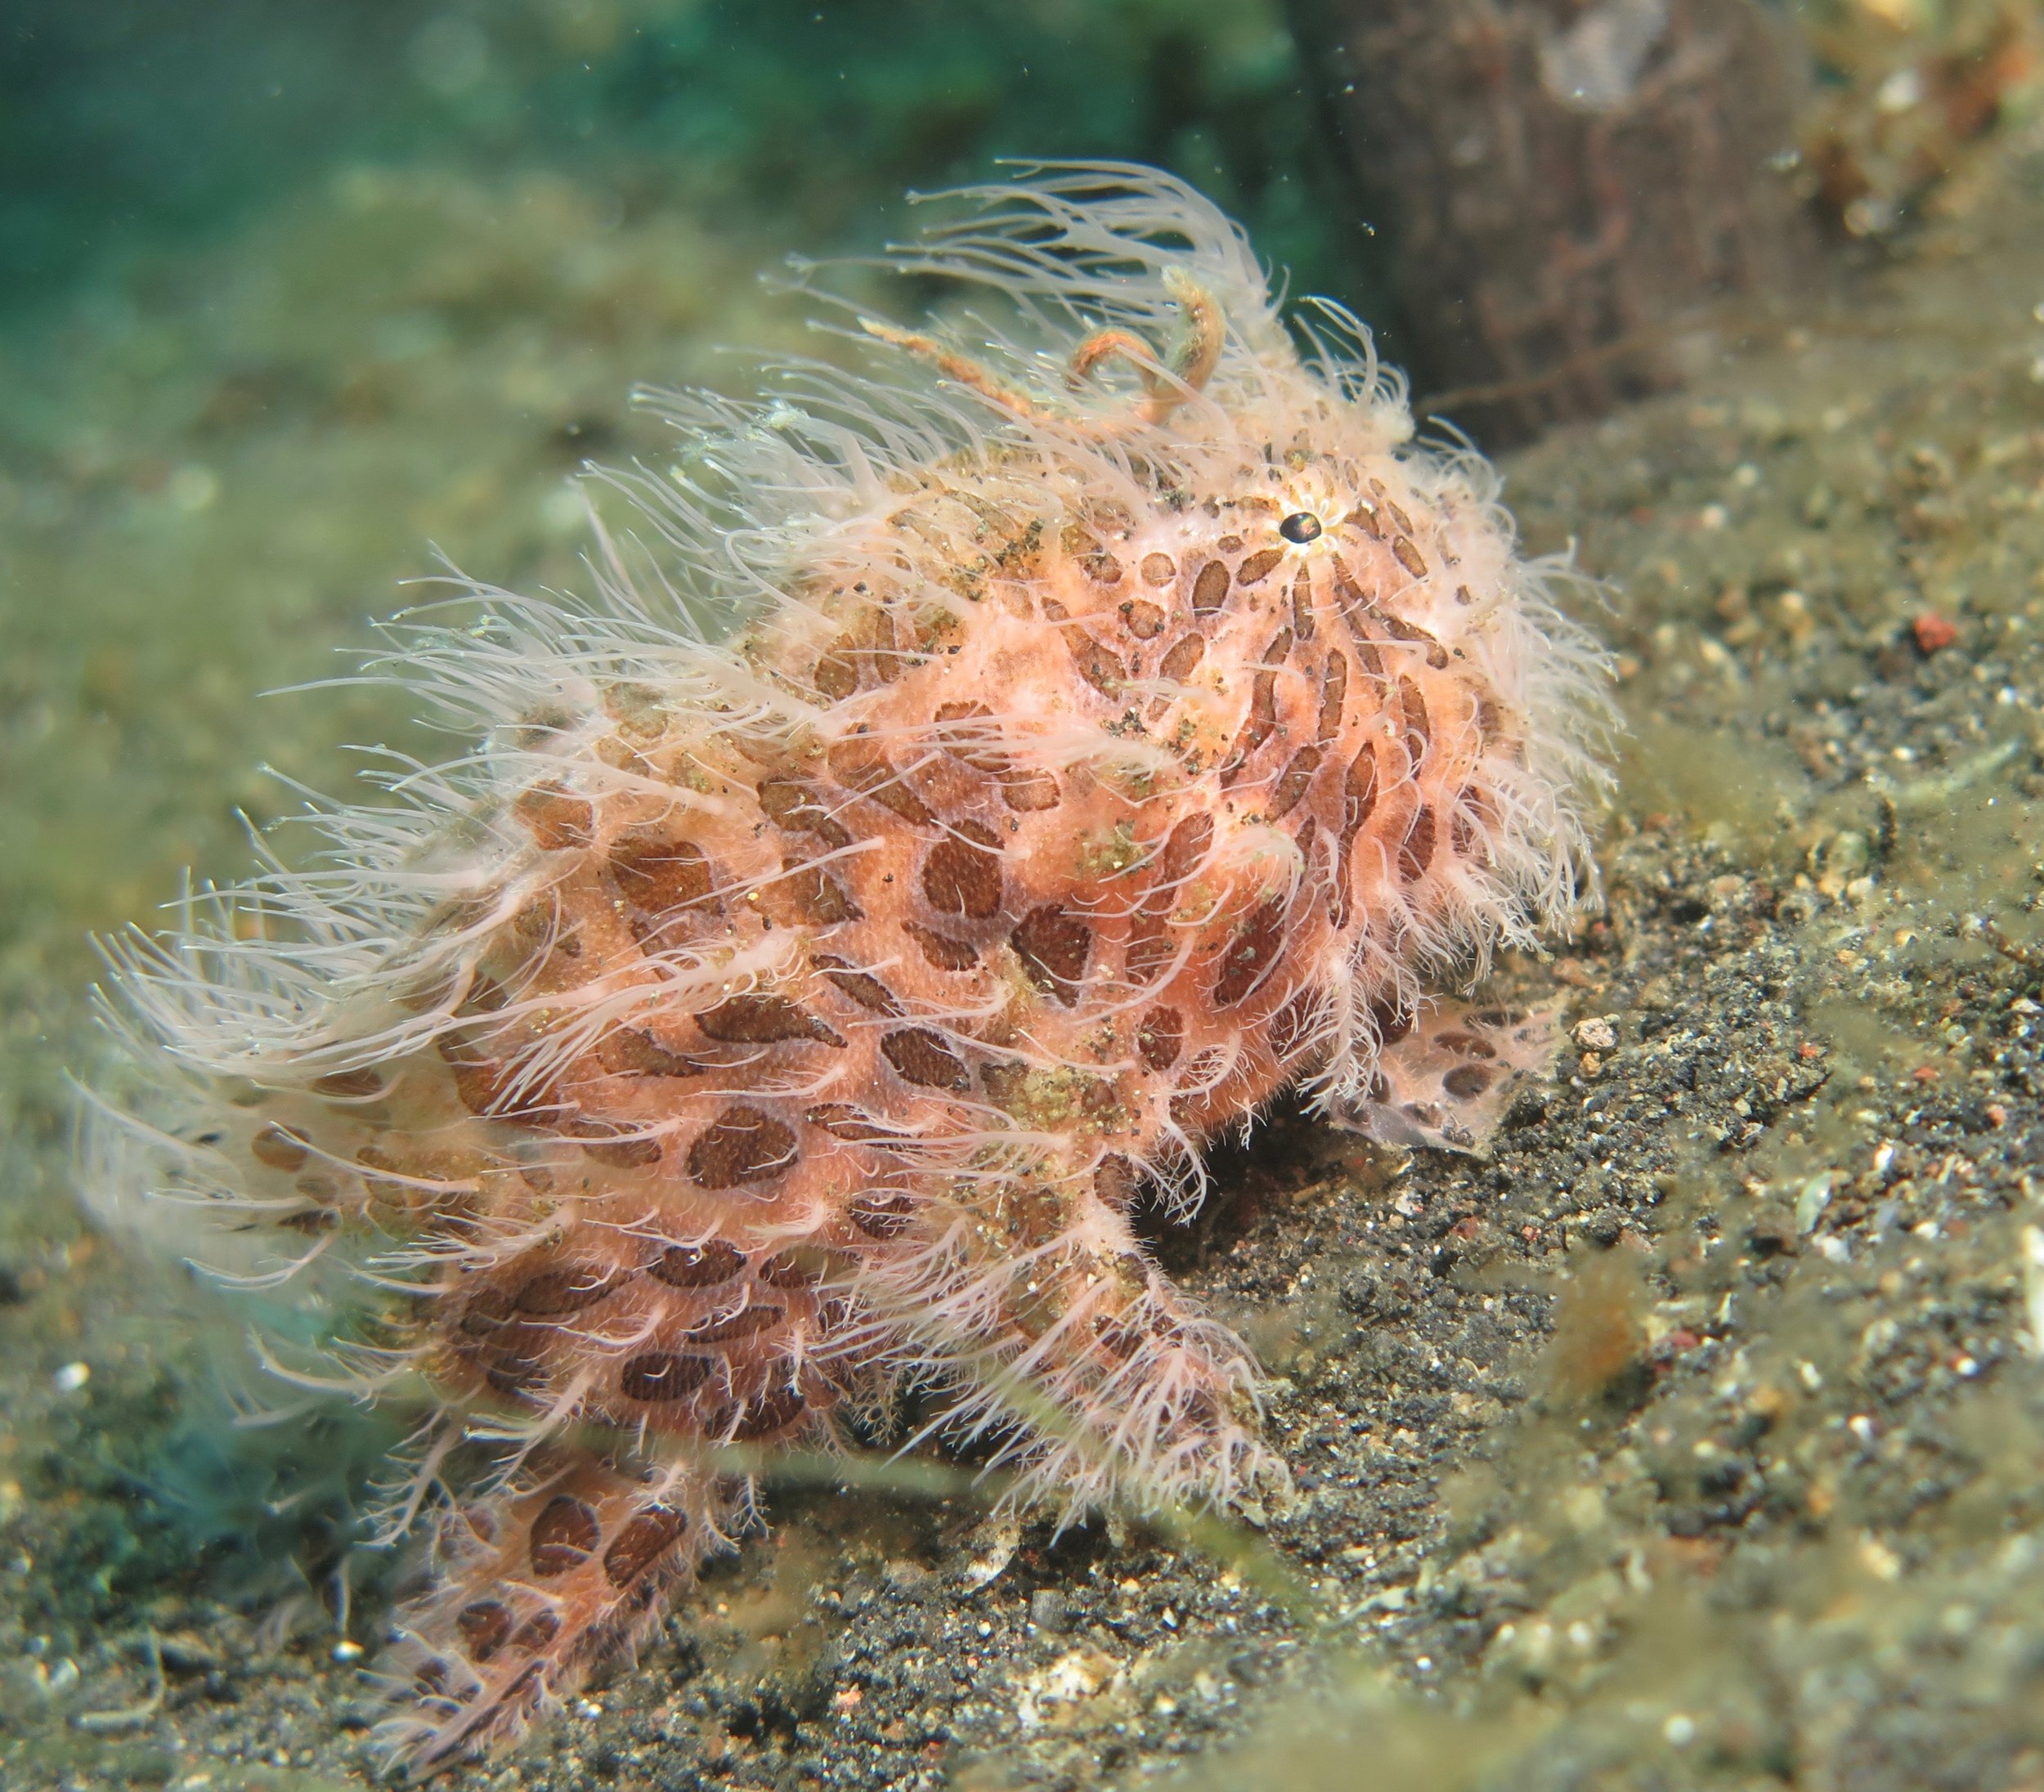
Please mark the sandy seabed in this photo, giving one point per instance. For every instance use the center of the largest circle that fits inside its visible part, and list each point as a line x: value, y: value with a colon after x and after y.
x: 1693, y: 1439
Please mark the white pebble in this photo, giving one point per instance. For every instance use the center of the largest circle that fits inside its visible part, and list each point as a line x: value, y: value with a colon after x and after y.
x: 1596, y: 1035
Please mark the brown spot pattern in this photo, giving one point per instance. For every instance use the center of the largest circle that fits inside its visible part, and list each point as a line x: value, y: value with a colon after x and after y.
x: 1251, y: 954
x: 654, y: 1376
x: 771, y: 1413
x: 762, y: 1018
x: 569, y: 1288
x: 488, y: 1086
x: 1290, y: 1026
x: 1210, y: 590
x: 640, y: 1151
x: 1116, y: 1182
x: 1101, y: 566
x: 740, y: 1146
x: 1412, y: 712
x: 921, y: 1057
x: 279, y: 1148
x: 883, y: 1216
x: 1099, y: 667
x: 559, y: 822
x: 1054, y: 945
x: 1160, y: 1038
x: 861, y: 766
x: 886, y: 657
x: 972, y: 743
x: 1416, y: 854
x: 1184, y: 853
x: 961, y: 874
x: 746, y: 1322
x: 1359, y: 791
x: 1029, y: 791
x: 807, y: 896
x: 784, y: 1269
x: 941, y: 952
x: 1180, y: 657
x: 1400, y: 630
x: 853, y: 1124
x: 1292, y: 782
x: 1333, y: 695
x: 696, y: 1265
x: 659, y: 875
x: 1303, y: 605
x: 1149, y: 948
x: 629, y: 1052
x: 1257, y: 725
x: 644, y: 1539
x: 537, y: 1632
x: 862, y: 986
x: 792, y: 804
x: 563, y: 1536
x: 483, y: 1628
x: 1465, y: 1082
x: 836, y: 673
x: 1259, y: 566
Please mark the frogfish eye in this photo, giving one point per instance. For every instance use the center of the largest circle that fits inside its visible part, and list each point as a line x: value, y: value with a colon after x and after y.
x: 1301, y: 525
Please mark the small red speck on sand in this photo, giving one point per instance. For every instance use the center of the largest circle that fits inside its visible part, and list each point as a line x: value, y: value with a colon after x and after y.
x: 1529, y: 1232
x: 1998, y: 1116
x: 1681, y: 1339
x: 1924, y: 1074
x: 1806, y: 1051
x: 1933, y: 631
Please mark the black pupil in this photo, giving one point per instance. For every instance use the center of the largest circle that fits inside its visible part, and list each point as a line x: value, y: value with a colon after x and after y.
x: 1301, y: 525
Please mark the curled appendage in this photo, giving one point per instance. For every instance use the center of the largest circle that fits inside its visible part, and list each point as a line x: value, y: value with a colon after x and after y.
x: 953, y: 366
x: 1166, y: 385
x: 1106, y: 344
x: 1199, y: 351
x: 534, y: 1586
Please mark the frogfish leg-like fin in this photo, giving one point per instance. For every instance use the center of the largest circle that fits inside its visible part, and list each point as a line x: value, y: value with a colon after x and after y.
x: 1449, y: 1080
x: 535, y: 1586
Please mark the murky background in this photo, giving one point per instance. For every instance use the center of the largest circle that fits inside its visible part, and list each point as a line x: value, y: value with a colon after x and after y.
x: 1695, y: 1440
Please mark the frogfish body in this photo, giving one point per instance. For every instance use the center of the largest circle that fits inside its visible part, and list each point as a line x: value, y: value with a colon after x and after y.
x: 1109, y: 718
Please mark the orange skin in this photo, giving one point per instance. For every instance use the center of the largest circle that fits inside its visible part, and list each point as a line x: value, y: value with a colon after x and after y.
x: 951, y: 939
